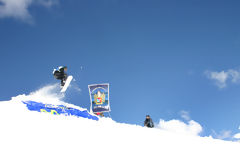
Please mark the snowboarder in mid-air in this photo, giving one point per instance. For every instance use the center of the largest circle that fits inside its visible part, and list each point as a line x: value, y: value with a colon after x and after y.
x: 148, y: 122
x: 61, y: 74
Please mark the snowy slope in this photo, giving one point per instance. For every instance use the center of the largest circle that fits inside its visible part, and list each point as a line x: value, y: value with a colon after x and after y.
x: 30, y: 135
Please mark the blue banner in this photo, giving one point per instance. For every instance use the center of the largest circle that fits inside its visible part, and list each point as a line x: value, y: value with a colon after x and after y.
x: 58, y: 109
x: 99, y: 97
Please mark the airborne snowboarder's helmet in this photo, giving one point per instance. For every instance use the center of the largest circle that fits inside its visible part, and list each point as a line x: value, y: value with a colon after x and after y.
x: 62, y: 67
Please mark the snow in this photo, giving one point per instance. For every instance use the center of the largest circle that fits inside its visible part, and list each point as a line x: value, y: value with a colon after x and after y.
x: 32, y: 135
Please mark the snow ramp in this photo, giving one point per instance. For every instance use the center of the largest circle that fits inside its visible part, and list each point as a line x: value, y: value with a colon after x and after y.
x: 33, y: 135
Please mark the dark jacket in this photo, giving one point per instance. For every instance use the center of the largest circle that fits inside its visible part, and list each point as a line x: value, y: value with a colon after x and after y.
x: 60, y: 74
x: 148, y: 123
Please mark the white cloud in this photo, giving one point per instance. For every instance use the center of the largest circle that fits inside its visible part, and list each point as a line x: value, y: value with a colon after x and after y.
x: 192, y: 128
x: 225, y: 134
x: 185, y: 115
x: 177, y: 126
x: 15, y: 8
x: 18, y: 9
x: 234, y: 75
x: 237, y: 136
x: 47, y: 3
x: 219, y: 77
x: 224, y: 77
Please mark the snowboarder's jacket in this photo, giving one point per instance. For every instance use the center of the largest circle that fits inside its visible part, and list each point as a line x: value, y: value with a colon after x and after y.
x: 148, y: 122
x: 59, y: 74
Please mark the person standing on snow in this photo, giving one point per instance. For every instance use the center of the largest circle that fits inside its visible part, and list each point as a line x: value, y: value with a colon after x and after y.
x: 148, y: 122
x: 61, y: 74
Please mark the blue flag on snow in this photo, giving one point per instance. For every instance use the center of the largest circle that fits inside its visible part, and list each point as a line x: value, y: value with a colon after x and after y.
x: 58, y: 109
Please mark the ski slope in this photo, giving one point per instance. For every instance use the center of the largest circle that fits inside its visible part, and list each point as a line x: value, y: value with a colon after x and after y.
x: 30, y: 135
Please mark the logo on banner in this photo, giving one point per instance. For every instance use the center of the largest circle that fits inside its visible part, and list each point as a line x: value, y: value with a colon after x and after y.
x: 99, y: 98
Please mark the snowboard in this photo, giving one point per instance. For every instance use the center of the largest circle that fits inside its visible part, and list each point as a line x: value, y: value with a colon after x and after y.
x: 67, y: 83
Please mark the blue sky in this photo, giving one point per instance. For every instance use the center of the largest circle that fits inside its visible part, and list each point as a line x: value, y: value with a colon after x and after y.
x: 161, y: 57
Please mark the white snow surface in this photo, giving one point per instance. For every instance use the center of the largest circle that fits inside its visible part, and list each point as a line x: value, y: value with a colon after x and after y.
x: 31, y: 135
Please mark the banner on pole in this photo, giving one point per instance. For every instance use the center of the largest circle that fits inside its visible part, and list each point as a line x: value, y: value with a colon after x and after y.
x: 99, y: 97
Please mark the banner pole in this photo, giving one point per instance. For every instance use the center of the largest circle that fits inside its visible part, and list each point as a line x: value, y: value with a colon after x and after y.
x: 90, y: 99
x: 109, y: 115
